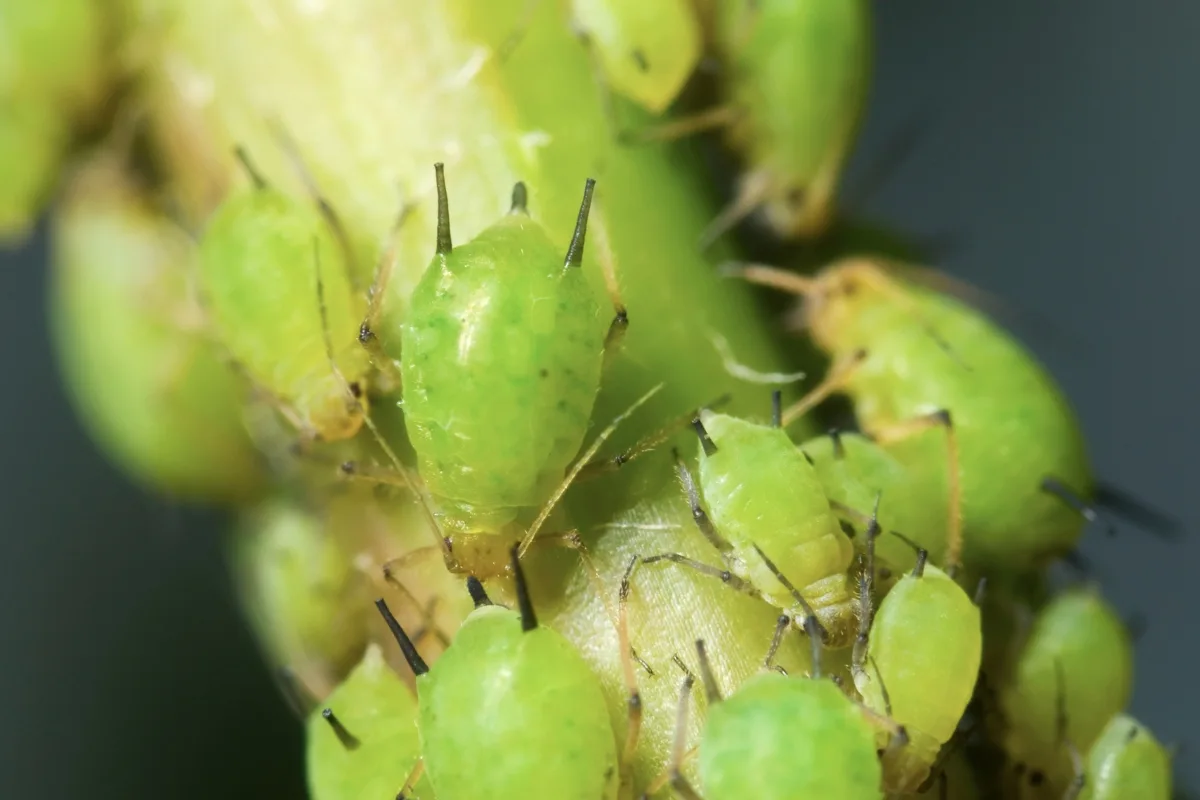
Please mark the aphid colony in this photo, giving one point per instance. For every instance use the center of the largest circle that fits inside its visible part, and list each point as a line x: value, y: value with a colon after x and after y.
x: 753, y: 611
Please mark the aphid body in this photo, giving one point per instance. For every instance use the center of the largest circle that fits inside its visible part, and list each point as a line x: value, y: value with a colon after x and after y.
x: 647, y: 50
x: 501, y: 361
x: 362, y: 742
x: 782, y: 737
x: 797, y: 76
x: 262, y: 256
x: 925, y: 645
x: 1076, y: 664
x: 762, y: 494
x: 924, y: 352
x: 1127, y: 761
x: 511, y: 710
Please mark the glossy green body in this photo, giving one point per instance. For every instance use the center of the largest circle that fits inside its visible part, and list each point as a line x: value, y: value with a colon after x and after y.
x: 797, y: 77
x: 146, y: 383
x: 647, y: 50
x: 1013, y: 424
x: 760, y: 490
x: 302, y: 594
x: 784, y: 738
x: 379, y: 710
x: 508, y: 714
x: 259, y: 263
x: 910, y: 500
x: 1080, y: 631
x: 1127, y: 762
x: 500, y: 360
x: 926, y: 643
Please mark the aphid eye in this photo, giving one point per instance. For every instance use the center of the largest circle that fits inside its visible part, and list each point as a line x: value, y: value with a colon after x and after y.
x: 795, y: 197
x: 1037, y: 777
x: 639, y: 58
x: 356, y: 389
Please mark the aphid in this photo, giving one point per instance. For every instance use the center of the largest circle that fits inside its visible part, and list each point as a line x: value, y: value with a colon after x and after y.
x: 511, y: 709
x: 362, y: 741
x: 912, y: 359
x: 924, y: 645
x: 644, y: 51
x: 274, y: 272
x: 768, y: 516
x: 1077, y: 642
x: 505, y: 324
x: 778, y: 737
x: 301, y: 592
x: 1126, y: 761
x: 795, y: 85
x: 129, y: 340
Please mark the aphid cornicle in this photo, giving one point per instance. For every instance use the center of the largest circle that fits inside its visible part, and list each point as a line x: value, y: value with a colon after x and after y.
x: 919, y: 663
x: 505, y: 323
x: 912, y: 359
x: 275, y: 280
x: 1078, y: 658
x: 778, y: 737
x: 770, y: 519
x: 511, y: 709
x: 362, y: 741
x: 1126, y: 761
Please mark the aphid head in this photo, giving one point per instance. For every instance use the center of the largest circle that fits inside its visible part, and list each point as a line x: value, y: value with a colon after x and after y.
x: 796, y: 208
x: 332, y: 411
x: 833, y: 311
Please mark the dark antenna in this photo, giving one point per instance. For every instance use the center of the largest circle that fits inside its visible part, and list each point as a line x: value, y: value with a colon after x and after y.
x: 520, y: 199
x: 244, y: 158
x: 575, y: 251
x: 777, y: 409
x: 444, y: 245
x: 528, y: 618
x: 1140, y: 513
x: 706, y: 674
x: 348, y: 739
x: 418, y: 665
x: 478, y: 595
x: 1069, y: 497
x: 710, y: 448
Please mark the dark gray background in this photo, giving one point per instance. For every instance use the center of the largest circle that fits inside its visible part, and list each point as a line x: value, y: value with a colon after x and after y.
x: 1061, y: 151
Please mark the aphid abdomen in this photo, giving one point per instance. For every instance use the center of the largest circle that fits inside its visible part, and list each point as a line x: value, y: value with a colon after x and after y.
x: 779, y: 737
x: 512, y: 714
x: 500, y: 360
x: 260, y: 257
x: 761, y: 491
x: 926, y: 642
x: 1127, y: 761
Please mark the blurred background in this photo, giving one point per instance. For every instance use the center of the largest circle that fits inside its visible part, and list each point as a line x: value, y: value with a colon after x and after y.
x: 1058, y: 149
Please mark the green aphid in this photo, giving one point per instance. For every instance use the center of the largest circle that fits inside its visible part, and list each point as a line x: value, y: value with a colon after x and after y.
x: 128, y: 334
x: 772, y: 523
x: 1073, y: 673
x: 935, y: 382
x: 779, y: 737
x: 511, y: 709
x: 53, y: 76
x: 501, y: 359
x: 363, y: 741
x: 794, y: 88
x: 276, y: 285
x: 1125, y: 763
x: 301, y: 592
x: 919, y: 663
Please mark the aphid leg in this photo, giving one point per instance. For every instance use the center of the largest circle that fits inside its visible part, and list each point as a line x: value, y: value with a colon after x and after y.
x: 699, y: 516
x: 608, y: 266
x: 898, y: 733
x: 723, y: 575
x: 835, y: 380
x: 781, y: 625
x: 300, y: 698
x: 347, y: 739
x: 751, y: 192
x: 706, y: 674
x: 415, y: 775
x: 429, y: 624
x: 679, y: 783
x: 866, y: 582
x: 506, y: 47
x: 634, y: 704
x: 707, y: 120
x: 655, y: 786
x: 902, y: 430
x: 1079, y: 779
x: 922, y: 554
x: 388, y: 379
x: 580, y: 463
x: 773, y: 277
x: 795, y: 593
x: 608, y: 104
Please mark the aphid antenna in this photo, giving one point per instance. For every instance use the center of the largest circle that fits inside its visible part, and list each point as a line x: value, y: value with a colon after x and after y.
x: 782, y: 623
x: 711, y: 691
x: 407, y: 648
x: 628, y: 655
x: 347, y: 739
x: 243, y: 158
x: 524, y: 602
x: 579, y: 465
x: 575, y: 249
x: 809, y: 614
x: 478, y: 596
x: 413, y: 776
